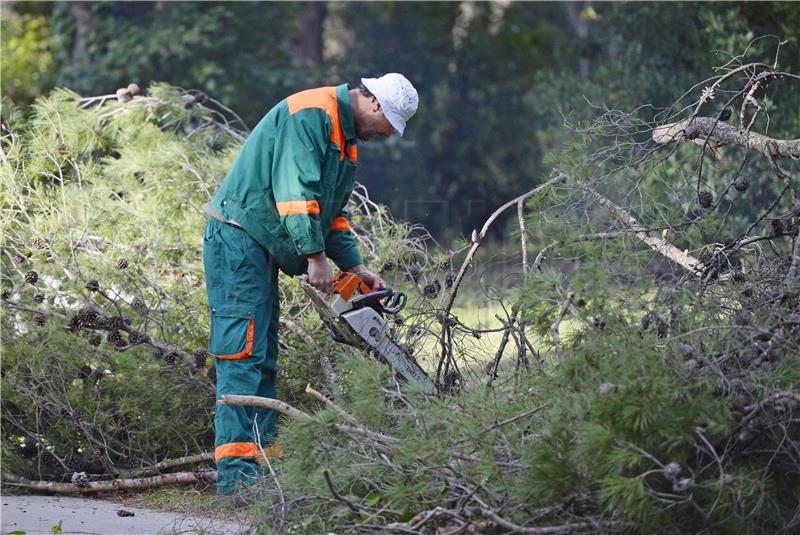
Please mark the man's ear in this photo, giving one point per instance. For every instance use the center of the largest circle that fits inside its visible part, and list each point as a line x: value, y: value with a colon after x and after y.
x: 376, y: 106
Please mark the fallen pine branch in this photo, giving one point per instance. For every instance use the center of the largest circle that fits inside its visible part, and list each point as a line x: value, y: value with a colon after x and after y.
x: 340, y: 411
x: 719, y: 133
x: 291, y: 412
x: 659, y: 245
x: 93, y: 487
x: 165, y: 464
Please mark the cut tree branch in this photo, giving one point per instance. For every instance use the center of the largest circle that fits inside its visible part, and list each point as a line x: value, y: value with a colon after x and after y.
x: 93, y: 487
x: 659, y: 245
x: 718, y: 133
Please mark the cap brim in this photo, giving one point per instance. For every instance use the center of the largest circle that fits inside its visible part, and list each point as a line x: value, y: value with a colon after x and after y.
x: 395, y: 120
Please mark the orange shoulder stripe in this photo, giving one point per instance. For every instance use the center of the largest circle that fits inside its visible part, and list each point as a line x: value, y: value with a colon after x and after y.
x: 323, y: 98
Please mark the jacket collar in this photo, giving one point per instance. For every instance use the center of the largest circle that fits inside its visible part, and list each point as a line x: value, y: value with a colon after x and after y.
x: 346, y: 113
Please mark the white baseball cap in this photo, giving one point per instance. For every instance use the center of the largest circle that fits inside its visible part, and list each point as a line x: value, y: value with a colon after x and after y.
x: 398, y: 98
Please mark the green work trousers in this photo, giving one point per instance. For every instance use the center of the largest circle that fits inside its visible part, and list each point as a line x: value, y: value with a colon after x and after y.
x: 242, y: 285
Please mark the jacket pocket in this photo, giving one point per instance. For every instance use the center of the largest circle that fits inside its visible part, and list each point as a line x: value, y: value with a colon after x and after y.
x: 232, y: 332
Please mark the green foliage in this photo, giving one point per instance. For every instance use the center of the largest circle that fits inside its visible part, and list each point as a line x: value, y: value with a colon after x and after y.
x: 28, y: 50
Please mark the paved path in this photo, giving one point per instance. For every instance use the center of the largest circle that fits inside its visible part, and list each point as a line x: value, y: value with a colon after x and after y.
x: 36, y: 515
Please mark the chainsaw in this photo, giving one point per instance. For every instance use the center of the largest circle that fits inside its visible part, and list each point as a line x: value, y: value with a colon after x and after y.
x: 355, y: 315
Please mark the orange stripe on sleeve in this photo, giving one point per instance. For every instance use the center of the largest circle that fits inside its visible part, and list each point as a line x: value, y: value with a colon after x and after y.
x: 352, y: 152
x: 297, y: 207
x: 341, y: 223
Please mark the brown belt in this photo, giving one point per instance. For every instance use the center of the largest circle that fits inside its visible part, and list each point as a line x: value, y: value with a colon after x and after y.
x: 216, y: 215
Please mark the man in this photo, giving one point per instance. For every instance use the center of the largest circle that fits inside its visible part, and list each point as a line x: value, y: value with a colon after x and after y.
x: 281, y: 205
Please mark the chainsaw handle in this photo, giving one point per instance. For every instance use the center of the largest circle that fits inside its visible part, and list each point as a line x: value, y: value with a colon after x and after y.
x: 395, y: 301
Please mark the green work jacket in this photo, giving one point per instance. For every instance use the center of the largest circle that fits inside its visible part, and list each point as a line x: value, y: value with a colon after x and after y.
x: 293, y: 177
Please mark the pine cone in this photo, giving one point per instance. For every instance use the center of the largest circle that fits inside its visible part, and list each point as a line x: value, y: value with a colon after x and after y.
x: 122, y: 264
x: 200, y: 97
x: 138, y: 305
x: 80, y: 479
x: 741, y: 183
x: 133, y: 89
x: 738, y: 276
x: 116, y: 340
x: 172, y: 357
x: 18, y: 258
x: 39, y: 320
x: 135, y: 338
x: 387, y: 266
x: 5, y: 294
x: 705, y: 199
x: 414, y: 273
x: 95, y: 339
x: 93, y: 285
x: 31, y: 277
x: 449, y: 279
x: 38, y: 298
x: 200, y: 358
x: 777, y: 226
x: 431, y: 290
x: 90, y: 317
x: 157, y: 352
x: 116, y: 322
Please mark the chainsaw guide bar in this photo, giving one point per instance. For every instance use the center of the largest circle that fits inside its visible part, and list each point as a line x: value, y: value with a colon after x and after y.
x: 353, y: 313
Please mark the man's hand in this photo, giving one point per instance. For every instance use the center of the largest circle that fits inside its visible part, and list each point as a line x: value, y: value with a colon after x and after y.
x: 320, y: 274
x: 370, y: 279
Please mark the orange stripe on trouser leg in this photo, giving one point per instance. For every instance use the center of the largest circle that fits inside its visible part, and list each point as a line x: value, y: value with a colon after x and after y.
x: 236, y: 449
x: 248, y: 346
x: 340, y: 223
x: 297, y: 207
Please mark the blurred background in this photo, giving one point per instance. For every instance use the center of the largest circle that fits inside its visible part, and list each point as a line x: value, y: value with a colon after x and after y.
x: 496, y: 80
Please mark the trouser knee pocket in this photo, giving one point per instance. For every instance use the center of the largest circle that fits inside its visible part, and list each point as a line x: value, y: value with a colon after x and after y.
x: 233, y: 332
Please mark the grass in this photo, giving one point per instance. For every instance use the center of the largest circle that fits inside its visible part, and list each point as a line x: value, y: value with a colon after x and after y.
x: 192, y: 501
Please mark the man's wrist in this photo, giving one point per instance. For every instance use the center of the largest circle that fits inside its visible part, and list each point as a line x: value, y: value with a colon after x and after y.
x: 315, y: 256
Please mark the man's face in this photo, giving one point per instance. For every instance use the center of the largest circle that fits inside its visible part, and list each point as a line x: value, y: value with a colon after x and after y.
x: 373, y: 123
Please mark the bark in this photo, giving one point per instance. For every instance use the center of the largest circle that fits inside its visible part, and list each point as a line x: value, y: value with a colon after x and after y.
x: 163, y: 465
x: 84, y: 21
x: 660, y: 245
x: 288, y: 410
x: 310, y: 25
x: 206, y: 476
x: 719, y: 133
